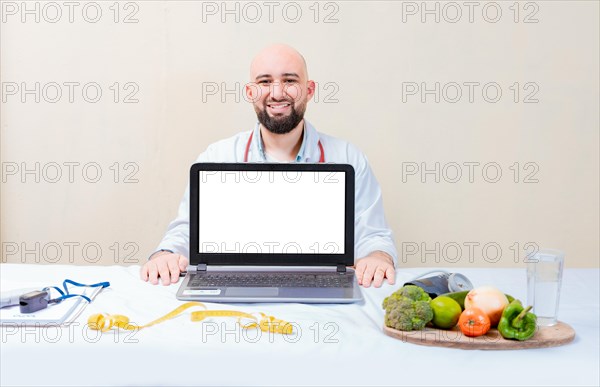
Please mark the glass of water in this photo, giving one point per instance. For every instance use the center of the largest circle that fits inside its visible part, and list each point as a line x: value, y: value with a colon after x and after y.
x: 544, y: 277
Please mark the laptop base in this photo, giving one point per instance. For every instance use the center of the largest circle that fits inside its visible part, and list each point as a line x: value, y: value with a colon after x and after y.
x: 344, y: 290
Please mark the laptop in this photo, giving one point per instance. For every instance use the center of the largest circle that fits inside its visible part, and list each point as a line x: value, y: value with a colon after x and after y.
x: 271, y: 233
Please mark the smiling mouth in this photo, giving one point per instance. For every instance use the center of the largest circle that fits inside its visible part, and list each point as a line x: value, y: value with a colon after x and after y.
x: 278, y: 106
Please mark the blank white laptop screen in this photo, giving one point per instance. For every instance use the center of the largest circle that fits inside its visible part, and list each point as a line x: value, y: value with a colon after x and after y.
x: 271, y: 212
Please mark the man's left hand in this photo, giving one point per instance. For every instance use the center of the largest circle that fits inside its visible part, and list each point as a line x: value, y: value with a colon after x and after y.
x: 374, y: 268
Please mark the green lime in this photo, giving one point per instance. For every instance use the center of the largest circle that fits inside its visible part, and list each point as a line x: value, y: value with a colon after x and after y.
x: 446, y: 312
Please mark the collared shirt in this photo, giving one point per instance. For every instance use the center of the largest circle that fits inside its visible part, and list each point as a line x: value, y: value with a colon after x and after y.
x: 370, y: 227
x: 309, y: 137
x: 266, y: 157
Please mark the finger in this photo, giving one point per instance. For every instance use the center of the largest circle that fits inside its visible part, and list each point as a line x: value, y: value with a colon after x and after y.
x: 368, y: 276
x: 390, y: 273
x: 378, y: 278
x: 144, y: 272
x: 360, y: 269
x: 152, y: 272
x: 173, y: 265
x: 183, y: 263
x: 163, y: 271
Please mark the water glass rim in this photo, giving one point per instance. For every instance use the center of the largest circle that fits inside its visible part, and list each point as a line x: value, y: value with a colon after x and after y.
x: 559, y: 254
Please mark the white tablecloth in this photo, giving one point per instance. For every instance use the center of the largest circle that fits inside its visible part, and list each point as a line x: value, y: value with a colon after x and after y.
x: 334, y: 344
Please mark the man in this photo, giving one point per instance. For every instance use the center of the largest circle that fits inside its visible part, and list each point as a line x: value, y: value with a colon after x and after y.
x: 280, y: 90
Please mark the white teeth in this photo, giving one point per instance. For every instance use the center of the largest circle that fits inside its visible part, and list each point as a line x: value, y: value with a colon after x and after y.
x: 279, y: 106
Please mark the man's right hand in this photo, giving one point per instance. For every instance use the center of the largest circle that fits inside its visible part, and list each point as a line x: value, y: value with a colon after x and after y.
x: 165, y: 265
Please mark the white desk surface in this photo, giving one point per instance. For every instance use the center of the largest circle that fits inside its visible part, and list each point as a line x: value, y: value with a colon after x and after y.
x: 334, y: 344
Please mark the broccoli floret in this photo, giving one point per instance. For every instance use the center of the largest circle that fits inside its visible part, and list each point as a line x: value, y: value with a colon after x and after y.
x: 407, y: 309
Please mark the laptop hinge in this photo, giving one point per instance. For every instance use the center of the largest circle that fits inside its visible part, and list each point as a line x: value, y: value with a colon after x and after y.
x: 341, y: 268
x: 201, y: 267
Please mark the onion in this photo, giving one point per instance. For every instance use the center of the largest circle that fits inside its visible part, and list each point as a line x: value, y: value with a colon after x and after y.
x: 490, y: 300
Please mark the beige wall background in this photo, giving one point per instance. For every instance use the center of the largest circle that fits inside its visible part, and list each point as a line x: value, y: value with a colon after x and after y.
x: 475, y: 178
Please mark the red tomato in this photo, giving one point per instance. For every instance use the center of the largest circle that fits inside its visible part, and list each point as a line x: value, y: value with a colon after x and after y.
x: 474, y: 322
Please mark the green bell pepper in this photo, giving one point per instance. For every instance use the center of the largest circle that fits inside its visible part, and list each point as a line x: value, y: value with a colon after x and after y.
x: 517, y: 322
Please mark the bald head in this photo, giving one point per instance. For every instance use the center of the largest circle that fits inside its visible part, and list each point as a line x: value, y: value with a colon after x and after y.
x: 279, y: 88
x: 277, y: 59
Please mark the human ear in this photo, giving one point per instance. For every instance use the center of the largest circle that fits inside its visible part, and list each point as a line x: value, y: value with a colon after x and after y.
x: 252, y: 92
x: 310, y: 89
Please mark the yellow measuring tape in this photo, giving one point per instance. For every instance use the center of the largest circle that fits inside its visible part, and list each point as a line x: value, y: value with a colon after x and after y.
x: 106, y: 322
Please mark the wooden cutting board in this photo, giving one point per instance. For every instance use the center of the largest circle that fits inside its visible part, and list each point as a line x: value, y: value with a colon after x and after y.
x: 559, y: 334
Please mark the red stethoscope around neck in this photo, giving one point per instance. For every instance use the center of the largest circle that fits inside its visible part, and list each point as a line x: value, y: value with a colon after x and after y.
x: 321, y: 159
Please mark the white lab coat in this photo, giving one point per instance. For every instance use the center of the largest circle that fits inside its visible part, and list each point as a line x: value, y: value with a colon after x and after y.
x: 371, y: 230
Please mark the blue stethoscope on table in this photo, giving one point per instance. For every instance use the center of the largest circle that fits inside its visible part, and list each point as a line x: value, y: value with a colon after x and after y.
x: 321, y: 158
x: 31, y: 300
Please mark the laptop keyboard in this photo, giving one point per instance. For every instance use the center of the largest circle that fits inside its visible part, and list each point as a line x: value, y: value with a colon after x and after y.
x: 271, y: 279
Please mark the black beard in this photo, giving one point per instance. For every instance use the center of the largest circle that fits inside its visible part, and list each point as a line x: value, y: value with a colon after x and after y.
x: 280, y: 125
